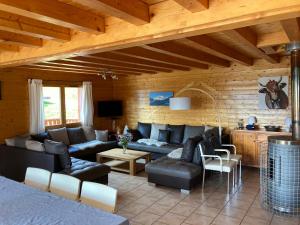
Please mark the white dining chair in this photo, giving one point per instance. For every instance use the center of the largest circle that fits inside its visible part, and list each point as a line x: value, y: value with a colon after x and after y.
x: 65, y: 186
x: 99, y: 196
x: 37, y: 178
x: 216, y: 163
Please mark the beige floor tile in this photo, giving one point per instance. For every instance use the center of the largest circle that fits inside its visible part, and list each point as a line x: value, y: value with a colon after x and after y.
x: 239, y: 204
x: 145, y: 218
x: 196, y: 219
x: 134, y: 208
x: 207, y: 211
x: 234, y: 212
x: 158, y: 209
x: 172, y: 219
x: 145, y: 200
x: 182, y: 210
x: 168, y: 201
x: 249, y: 220
x: 259, y: 213
x: 226, y: 220
x: 278, y: 220
x: 159, y: 223
x: 125, y: 214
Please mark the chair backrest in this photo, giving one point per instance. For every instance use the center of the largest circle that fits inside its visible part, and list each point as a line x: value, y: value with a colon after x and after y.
x: 65, y: 186
x: 99, y: 196
x: 38, y: 178
x: 202, y: 145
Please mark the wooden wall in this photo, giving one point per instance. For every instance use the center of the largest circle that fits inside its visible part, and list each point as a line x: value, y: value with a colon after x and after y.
x: 14, y: 106
x: 236, y: 88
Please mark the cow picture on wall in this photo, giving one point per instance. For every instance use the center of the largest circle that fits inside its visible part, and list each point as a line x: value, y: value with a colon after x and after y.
x: 273, y: 92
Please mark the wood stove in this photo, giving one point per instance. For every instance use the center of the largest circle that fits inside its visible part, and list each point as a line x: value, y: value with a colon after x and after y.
x: 280, y: 166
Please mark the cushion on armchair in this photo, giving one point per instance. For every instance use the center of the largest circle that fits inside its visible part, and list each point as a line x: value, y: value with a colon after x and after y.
x: 176, y: 133
x: 144, y: 129
x: 76, y: 135
x: 189, y: 148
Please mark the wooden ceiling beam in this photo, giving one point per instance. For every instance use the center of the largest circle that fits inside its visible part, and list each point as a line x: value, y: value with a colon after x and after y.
x: 69, y: 71
x: 23, y: 25
x: 9, y: 48
x: 94, y: 65
x: 182, y: 51
x: 292, y: 28
x: 20, y: 39
x: 55, y: 12
x: 269, y: 50
x: 116, y: 56
x: 249, y: 39
x: 213, y: 47
x: 132, y: 11
x: 144, y: 53
x: 100, y: 68
x: 194, y: 5
x: 44, y: 65
x: 271, y: 39
x: 107, y: 63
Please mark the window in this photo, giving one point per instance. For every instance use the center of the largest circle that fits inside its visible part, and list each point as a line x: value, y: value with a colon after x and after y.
x: 61, y: 105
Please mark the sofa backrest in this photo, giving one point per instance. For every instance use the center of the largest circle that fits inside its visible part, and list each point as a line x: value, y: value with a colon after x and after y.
x: 14, y: 162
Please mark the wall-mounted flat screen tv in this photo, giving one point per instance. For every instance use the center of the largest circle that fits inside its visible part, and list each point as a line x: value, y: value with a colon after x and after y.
x: 110, y: 108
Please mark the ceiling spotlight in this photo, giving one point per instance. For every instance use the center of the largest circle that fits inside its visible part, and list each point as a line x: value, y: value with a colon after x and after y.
x: 114, y: 77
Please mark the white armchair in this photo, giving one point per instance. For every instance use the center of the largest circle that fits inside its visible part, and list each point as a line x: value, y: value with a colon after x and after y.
x: 234, y: 157
x: 218, y: 164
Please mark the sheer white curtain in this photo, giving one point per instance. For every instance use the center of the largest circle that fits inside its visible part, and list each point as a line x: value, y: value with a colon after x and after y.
x: 36, y: 107
x: 87, y: 107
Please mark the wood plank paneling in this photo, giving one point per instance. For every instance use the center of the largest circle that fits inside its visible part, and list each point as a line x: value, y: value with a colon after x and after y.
x: 14, y: 106
x: 237, y: 89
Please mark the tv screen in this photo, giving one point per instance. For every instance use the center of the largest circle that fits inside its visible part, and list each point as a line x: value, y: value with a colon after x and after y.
x: 110, y: 108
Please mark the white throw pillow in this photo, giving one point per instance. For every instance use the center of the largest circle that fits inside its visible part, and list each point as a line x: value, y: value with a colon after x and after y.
x: 155, y: 127
x: 101, y: 135
x: 10, y: 141
x: 35, y: 145
x: 175, y: 154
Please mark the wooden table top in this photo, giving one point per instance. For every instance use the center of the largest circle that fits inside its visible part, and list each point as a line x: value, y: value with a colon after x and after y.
x: 117, y: 153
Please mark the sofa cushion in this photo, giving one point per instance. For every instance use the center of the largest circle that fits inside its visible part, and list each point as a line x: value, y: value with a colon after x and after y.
x: 60, y: 149
x: 176, y: 133
x: 174, y: 168
x: 136, y: 135
x: 165, y: 149
x: 86, y: 170
x: 192, y: 131
x: 155, y: 127
x: 85, y: 145
x: 101, y: 135
x: 35, y: 145
x: 189, y: 148
x: 164, y: 136
x: 89, y: 133
x: 76, y: 135
x: 144, y: 129
x: 18, y: 141
x: 41, y: 137
x: 59, y: 135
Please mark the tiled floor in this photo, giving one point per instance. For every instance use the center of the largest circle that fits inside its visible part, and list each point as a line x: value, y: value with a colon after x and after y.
x: 145, y: 204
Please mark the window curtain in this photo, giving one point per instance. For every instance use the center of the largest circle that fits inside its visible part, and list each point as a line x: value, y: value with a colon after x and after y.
x: 36, y: 107
x: 87, y: 107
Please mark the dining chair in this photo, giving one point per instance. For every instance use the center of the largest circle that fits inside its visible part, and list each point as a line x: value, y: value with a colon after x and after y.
x: 37, y: 178
x: 65, y: 186
x: 216, y: 163
x: 99, y: 196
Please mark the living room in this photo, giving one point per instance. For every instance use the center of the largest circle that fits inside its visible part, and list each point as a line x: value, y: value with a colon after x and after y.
x: 170, y: 122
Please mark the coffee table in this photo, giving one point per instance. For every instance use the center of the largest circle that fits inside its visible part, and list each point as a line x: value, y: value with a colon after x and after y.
x: 117, y: 160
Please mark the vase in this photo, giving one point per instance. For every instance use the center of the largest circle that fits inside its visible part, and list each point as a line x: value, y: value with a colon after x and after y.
x: 124, y: 149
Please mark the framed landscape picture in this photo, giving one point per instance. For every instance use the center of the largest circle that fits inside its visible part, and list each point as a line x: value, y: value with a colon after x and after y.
x: 160, y: 98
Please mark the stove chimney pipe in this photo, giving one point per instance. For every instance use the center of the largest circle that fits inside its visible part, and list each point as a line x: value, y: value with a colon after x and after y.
x: 294, y: 49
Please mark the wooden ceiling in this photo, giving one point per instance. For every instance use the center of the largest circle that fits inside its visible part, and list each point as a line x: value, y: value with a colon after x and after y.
x: 34, y: 24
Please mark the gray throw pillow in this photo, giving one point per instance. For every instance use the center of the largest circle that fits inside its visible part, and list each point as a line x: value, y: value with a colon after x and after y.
x: 155, y: 127
x: 60, y: 149
x: 18, y: 141
x: 192, y: 131
x: 59, y: 135
x: 89, y: 133
x: 76, y: 135
x: 101, y: 135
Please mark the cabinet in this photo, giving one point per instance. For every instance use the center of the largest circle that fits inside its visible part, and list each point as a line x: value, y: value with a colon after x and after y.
x: 251, y: 143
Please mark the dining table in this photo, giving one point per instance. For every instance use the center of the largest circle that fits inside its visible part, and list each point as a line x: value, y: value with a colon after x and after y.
x: 23, y: 205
